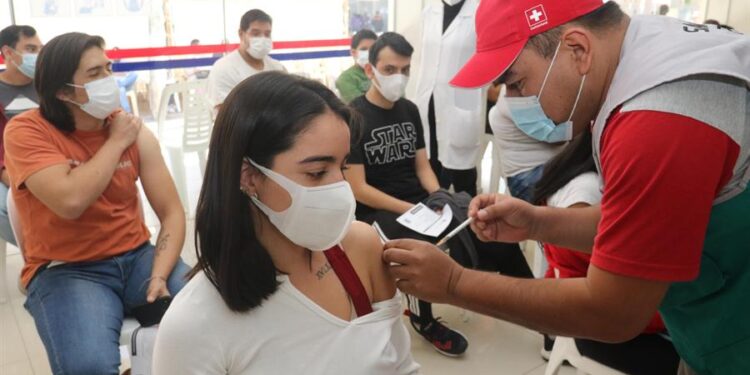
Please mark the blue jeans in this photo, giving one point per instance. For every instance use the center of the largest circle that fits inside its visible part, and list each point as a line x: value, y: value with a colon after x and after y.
x: 521, y: 186
x: 78, y: 308
x: 5, y: 230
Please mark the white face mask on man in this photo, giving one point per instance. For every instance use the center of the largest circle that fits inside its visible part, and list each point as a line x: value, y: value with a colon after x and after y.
x: 259, y: 47
x: 392, y: 87
x: 363, y: 58
x: 104, y: 97
x: 318, y: 218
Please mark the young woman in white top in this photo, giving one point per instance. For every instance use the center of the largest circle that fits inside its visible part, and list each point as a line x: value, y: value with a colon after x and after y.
x: 265, y: 298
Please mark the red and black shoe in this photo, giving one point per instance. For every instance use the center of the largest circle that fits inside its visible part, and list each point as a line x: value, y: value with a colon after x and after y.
x: 445, y: 340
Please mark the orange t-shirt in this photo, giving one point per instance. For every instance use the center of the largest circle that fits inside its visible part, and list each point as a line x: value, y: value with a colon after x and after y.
x: 112, y: 225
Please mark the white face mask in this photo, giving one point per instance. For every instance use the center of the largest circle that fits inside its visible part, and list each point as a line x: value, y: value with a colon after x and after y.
x: 363, y: 58
x: 392, y: 87
x: 260, y: 47
x: 104, y: 97
x: 318, y: 218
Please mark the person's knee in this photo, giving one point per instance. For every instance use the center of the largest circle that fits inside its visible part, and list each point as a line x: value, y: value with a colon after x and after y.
x: 78, y: 319
x: 92, y: 366
x: 92, y: 361
x: 178, y: 278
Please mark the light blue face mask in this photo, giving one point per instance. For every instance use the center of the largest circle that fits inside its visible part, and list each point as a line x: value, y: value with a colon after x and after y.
x: 528, y: 115
x: 28, y: 64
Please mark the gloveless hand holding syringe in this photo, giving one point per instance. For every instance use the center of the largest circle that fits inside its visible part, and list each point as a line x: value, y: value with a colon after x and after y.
x: 443, y: 243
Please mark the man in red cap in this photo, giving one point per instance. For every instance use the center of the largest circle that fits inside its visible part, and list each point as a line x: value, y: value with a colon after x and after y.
x: 668, y: 105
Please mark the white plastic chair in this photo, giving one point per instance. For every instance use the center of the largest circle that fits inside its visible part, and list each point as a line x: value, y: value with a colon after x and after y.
x: 496, y: 173
x: 128, y: 325
x: 194, y: 134
x: 133, y: 101
x: 565, y: 350
x: 497, y: 165
x: 534, y: 253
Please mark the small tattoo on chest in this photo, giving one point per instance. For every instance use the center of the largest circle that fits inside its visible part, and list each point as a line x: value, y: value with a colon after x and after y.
x: 322, y: 271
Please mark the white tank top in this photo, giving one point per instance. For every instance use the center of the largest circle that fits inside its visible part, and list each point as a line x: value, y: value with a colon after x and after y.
x: 287, y: 334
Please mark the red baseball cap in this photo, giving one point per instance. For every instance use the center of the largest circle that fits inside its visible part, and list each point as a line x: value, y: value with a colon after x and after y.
x: 505, y: 26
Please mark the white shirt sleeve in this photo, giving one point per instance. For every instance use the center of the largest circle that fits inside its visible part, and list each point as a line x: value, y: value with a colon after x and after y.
x: 520, y: 153
x: 399, y: 338
x: 221, y: 81
x: 185, y: 347
x: 584, y: 188
x: 274, y: 64
x: 402, y: 343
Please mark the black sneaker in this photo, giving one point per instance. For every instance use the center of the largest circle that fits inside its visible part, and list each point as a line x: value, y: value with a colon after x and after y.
x: 549, y: 342
x: 445, y: 340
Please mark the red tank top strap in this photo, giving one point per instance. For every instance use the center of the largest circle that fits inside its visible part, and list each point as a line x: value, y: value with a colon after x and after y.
x: 349, y: 278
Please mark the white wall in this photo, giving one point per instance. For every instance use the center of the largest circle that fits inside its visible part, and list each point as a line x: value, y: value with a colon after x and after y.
x: 202, y: 19
x: 4, y: 14
x: 735, y: 13
x: 739, y: 15
x: 292, y: 19
x: 717, y: 10
x: 408, y: 17
x: 408, y: 23
x: 118, y: 28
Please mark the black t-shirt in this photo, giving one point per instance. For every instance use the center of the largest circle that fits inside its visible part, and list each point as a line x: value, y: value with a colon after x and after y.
x: 450, y: 12
x: 388, y: 149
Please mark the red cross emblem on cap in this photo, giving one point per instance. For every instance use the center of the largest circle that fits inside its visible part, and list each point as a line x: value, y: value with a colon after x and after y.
x: 536, y: 17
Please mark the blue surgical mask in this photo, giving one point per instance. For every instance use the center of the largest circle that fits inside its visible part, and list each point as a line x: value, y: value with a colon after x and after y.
x: 528, y: 115
x: 28, y: 64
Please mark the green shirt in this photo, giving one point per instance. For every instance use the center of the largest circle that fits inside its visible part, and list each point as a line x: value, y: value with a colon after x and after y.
x: 352, y: 83
x: 708, y: 317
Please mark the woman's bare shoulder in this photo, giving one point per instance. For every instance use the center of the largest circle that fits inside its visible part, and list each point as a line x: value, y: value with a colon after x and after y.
x: 365, y: 250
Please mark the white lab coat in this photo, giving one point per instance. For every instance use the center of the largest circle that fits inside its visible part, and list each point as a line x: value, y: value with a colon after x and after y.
x: 459, y: 113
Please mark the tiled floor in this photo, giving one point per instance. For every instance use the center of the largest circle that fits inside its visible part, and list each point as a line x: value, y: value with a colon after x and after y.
x: 496, y: 347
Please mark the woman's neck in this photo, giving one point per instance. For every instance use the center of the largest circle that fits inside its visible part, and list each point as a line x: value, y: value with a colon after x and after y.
x: 287, y: 256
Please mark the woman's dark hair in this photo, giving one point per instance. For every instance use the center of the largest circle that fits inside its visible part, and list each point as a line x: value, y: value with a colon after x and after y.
x: 55, y: 67
x: 260, y: 119
x: 575, y: 159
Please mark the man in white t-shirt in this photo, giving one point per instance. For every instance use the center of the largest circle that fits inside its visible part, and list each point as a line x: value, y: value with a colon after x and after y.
x: 250, y: 58
x: 523, y: 157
